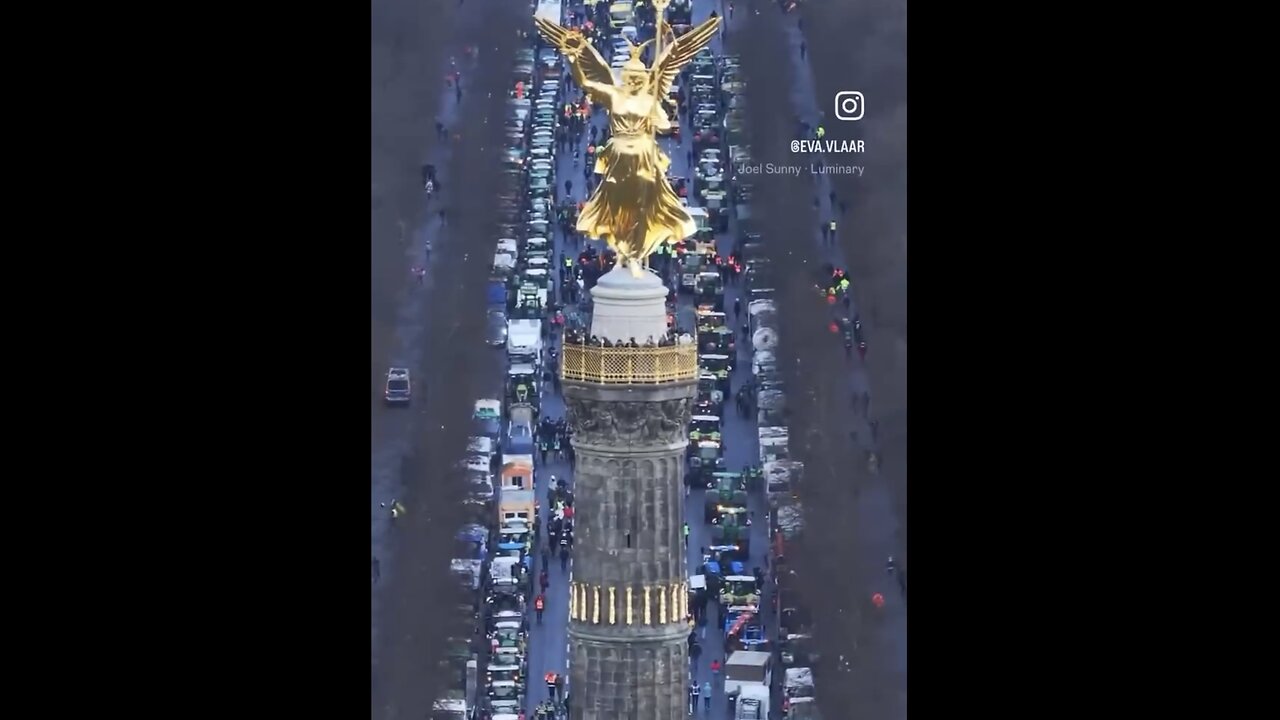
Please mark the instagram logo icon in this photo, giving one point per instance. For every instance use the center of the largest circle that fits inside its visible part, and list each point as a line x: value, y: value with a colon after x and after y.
x: 849, y: 105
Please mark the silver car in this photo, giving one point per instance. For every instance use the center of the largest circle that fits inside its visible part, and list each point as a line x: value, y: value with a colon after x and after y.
x: 497, y: 328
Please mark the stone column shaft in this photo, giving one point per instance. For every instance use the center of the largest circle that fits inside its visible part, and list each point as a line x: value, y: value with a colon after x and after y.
x: 628, y: 655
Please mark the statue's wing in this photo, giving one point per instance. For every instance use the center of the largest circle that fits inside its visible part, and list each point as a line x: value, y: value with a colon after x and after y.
x: 593, y: 67
x: 679, y: 53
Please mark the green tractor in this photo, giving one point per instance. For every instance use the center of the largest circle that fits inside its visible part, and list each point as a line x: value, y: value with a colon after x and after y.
x: 717, y: 340
x: 733, y: 527
x: 524, y: 385
x: 727, y: 490
x: 706, y: 458
x: 704, y: 427
x: 740, y: 591
x: 710, y: 398
x: 720, y: 366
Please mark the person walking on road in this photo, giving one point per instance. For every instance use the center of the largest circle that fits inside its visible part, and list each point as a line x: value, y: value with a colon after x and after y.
x: 706, y: 696
x: 686, y: 536
x: 564, y: 557
x: 539, y: 603
x: 543, y: 581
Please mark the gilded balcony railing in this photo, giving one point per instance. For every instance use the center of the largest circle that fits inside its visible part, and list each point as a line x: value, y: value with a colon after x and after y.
x: 629, y: 366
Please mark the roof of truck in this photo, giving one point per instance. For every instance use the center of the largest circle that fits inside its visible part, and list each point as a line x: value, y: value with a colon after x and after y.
x: 748, y: 657
x: 799, y: 677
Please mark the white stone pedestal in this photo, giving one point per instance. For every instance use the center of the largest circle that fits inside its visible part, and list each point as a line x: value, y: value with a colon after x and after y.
x: 629, y: 307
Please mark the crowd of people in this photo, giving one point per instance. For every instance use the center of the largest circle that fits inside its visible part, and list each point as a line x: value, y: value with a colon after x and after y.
x: 671, y: 338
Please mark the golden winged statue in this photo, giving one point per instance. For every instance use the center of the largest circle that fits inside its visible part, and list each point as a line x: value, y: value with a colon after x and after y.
x: 633, y: 208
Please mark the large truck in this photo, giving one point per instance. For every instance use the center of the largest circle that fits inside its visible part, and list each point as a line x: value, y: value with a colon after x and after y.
x: 745, y: 668
x: 798, y: 695
x: 781, y: 481
x: 773, y: 443
x: 450, y: 709
x: 752, y: 703
x: 803, y: 708
x: 517, y: 472
x: 524, y: 341
x: 747, y: 677
x: 515, y: 505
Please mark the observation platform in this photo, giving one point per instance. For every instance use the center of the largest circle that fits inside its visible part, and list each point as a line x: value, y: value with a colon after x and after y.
x: 629, y: 365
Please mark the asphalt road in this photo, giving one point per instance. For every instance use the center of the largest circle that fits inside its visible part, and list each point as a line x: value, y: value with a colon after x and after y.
x: 400, y: 317
x: 876, y: 523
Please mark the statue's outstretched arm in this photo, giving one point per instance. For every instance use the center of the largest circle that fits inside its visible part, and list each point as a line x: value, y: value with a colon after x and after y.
x: 599, y: 93
x: 592, y: 74
x: 590, y: 70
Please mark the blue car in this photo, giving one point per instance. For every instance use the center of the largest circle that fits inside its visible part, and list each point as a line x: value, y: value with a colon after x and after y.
x: 497, y: 294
